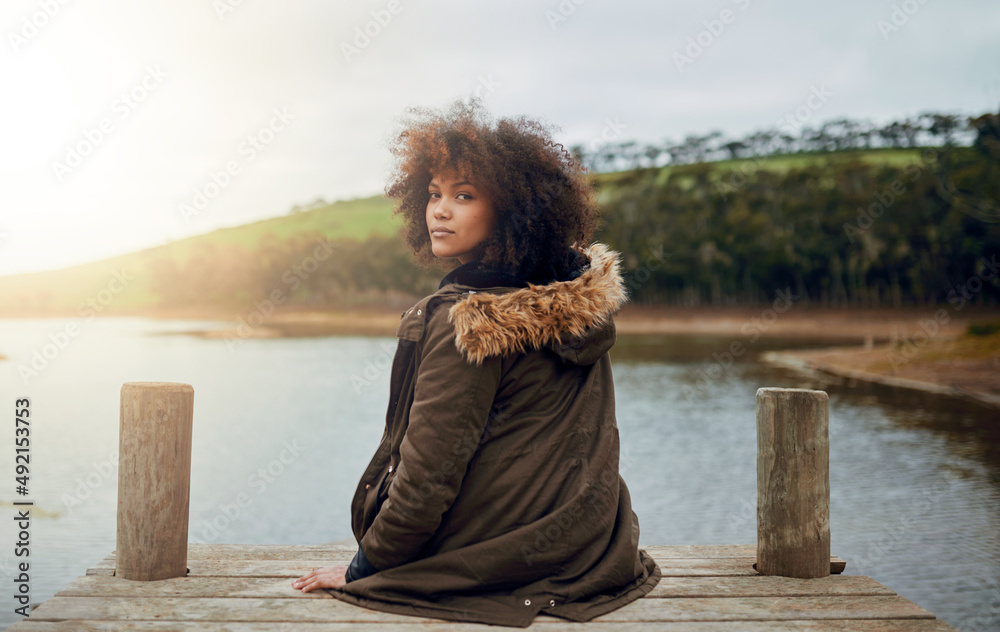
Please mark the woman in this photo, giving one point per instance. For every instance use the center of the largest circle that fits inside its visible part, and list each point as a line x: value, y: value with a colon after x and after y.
x: 495, y: 493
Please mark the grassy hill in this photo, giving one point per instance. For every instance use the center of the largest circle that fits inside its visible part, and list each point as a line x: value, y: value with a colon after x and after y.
x: 63, y: 292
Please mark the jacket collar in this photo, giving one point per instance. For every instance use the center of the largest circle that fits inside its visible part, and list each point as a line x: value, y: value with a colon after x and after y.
x: 565, y: 314
x: 475, y: 274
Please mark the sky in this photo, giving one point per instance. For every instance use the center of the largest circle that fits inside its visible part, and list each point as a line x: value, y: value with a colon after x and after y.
x: 126, y: 124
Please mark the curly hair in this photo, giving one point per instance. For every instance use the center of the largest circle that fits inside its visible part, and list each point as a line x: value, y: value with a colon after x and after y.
x: 543, y: 200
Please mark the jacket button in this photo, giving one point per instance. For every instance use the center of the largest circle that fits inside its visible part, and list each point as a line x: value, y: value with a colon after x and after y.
x: 419, y: 312
x: 368, y: 485
x: 390, y: 469
x: 552, y: 602
x: 527, y: 602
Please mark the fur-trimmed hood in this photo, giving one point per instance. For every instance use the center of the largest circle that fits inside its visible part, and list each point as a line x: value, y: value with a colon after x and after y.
x: 571, y: 317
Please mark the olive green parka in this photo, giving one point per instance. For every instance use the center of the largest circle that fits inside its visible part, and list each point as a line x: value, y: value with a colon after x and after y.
x: 495, y: 492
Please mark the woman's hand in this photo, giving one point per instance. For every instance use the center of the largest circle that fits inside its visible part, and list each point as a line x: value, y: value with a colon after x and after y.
x: 325, y: 577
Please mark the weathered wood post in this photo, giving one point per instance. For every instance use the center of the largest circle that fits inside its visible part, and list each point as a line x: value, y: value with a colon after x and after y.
x: 793, y: 482
x: 154, y: 476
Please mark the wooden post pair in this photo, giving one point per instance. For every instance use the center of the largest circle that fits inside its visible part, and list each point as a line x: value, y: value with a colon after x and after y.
x: 793, y: 481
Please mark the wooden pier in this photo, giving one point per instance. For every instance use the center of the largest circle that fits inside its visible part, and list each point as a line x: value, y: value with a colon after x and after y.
x: 156, y: 581
x: 247, y: 588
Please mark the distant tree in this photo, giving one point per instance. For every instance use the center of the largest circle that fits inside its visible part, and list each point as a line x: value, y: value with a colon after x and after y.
x: 652, y: 154
x: 734, y: 147
x: 677, y: 152
x: 911, y: 128
x: 987, y: 128
x: 865, y: 131
x: 892, y: 134
x: 942, y: 126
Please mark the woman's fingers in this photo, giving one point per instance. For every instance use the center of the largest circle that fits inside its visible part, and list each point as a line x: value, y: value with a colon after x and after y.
x: 306, y: 580
x: 326, y: 577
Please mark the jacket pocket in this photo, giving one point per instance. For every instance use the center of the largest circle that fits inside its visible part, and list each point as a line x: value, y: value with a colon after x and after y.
x: 376, y: 496
x: 383, y: 488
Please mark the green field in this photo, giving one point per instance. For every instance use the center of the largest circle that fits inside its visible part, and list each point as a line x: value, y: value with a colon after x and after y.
x: 349, y: 219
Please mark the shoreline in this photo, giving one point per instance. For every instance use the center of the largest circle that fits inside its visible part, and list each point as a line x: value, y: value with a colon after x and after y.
x: 966, y: 367
x: 848, y: 325
x: 878, y: 344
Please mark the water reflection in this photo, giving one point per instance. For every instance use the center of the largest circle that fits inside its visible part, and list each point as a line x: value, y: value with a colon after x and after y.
x: 914, y: 476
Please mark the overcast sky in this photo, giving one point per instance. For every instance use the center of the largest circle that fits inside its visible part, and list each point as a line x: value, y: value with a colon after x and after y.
x: 159, y: 96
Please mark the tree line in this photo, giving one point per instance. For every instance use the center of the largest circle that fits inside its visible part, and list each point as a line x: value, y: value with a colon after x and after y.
x: 928, y: 129
x: 845, y: 233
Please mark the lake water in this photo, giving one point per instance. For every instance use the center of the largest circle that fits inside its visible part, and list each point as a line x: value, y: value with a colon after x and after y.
x: 291, y: 423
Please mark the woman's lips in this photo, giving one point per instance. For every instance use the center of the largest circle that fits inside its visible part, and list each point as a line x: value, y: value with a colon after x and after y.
x: 441, y: 233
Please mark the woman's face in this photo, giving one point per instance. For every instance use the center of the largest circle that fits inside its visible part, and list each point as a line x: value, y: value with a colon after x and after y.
x: 459, y: 217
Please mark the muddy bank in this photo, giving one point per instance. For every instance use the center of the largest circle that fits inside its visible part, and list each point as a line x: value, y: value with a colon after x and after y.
x: 964, y: 366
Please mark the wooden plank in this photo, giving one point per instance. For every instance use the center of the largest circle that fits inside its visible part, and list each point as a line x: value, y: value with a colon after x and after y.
x: 680, y: 567
x: 701, y: 550
x: 760, y: 586
x: 198, y: 550
x: 768, y: 609
x: 235, y: 587
x: 273, y: 587
x: 202, y: 551
x: 329, y: 552
x: 205, y: 551
x: 330, y: 610
x: 544, y: 623
x: 240, y: 567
